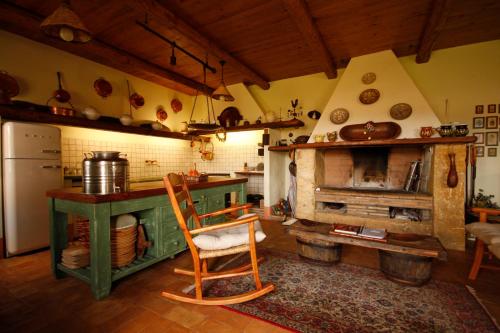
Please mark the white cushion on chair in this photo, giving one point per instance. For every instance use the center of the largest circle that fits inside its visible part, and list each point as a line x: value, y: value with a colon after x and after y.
x: 495, y: 249
x: 487, y: 232
x: 229, y: 237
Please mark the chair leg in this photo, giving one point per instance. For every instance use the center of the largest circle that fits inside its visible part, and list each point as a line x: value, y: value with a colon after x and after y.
x: 478, y: 258
x: 253, y: 256
x: 204, y: 266
x: 197, y: 279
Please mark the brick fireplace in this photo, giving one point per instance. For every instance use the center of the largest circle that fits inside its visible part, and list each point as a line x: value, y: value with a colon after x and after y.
x: 363, y: 185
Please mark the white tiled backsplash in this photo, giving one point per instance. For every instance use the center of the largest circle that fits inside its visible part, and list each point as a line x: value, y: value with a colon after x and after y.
x: 157, y: 160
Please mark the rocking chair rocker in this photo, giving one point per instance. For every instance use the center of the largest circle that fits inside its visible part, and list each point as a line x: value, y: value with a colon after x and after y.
x: 214, y: 241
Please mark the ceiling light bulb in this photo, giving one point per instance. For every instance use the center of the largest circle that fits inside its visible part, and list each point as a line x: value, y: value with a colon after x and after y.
x: 66, y: 34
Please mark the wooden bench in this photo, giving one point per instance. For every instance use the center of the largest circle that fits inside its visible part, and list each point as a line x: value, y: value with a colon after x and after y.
x: 404, y: 258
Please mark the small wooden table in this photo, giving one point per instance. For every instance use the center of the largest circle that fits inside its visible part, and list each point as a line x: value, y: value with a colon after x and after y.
x: 404, y: 258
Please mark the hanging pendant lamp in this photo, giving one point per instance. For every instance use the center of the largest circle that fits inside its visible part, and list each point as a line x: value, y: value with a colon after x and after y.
x: 221, y: 93
x: 209, y: 126
x: 66, y: 25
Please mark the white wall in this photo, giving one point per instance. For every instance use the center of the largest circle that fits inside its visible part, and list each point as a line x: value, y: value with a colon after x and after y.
x: 395, y: 86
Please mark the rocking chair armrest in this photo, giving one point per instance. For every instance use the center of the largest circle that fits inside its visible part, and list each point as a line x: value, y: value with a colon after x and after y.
x: 224, y: 225
x: 484, y: 212
x: 225, y: 211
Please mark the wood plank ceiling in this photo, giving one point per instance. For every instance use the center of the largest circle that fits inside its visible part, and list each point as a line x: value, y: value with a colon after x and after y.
x: 261, y: 40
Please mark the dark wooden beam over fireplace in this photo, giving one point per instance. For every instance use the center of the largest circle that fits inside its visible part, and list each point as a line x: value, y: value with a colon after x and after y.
x: 299, y: 13
x: 435, y: 24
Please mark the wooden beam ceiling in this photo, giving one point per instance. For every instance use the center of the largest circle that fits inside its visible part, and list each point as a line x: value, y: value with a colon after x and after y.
x: 167, y: 17
x: 27, y: 23
x: 435, y: 24
x: 299, y: 13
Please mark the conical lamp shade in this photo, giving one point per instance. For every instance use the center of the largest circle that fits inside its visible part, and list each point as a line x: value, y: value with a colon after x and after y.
x: 65, y: 24
x: 221, y: 93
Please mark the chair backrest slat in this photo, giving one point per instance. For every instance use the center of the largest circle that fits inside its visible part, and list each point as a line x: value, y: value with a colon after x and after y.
x: 178, y: 192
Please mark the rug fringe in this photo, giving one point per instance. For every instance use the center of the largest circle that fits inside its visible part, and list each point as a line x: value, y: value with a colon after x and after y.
x: 258, y: 318
x: 473, y: 292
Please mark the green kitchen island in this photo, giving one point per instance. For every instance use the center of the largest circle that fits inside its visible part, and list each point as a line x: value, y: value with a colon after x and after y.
x: 150, y: 204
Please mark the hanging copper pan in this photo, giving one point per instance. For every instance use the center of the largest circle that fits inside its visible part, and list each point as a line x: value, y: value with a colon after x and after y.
x: 136, y: 100
x: 61, y: 95
x: 102, y: 87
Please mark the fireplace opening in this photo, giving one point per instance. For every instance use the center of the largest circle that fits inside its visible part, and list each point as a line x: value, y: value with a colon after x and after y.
x: 370, y: 167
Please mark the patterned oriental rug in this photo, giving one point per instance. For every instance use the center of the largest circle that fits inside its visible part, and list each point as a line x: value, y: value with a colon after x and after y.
x: 345, y: 298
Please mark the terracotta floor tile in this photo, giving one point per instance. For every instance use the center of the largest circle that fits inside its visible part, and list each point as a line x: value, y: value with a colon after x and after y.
x: 162, y: 325
x: 214, y: 326
x: 182, y: 315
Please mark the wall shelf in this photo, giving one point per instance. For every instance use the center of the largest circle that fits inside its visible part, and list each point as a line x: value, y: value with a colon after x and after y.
x: 375, y: 143
x: 20, y: 114
x: 296, y: 123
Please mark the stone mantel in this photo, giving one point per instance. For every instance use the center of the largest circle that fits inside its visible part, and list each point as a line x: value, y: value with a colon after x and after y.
x: 377, y: 143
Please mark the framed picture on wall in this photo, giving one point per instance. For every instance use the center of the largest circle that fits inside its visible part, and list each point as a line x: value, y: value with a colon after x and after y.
x: 479, y: 109
x: 492, y: 122
x: 480, y: 138
x: 492, y: 152
x: 478, y: 122
x: 492, y: 108
x: 480, y: 151
x: 491, y: 138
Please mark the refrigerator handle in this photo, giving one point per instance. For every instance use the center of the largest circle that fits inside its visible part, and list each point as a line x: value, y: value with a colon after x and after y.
x: 51, y: 151
x: 50, y: 167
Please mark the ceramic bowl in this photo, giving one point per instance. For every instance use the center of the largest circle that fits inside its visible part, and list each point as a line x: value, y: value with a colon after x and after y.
x: 126, y: 120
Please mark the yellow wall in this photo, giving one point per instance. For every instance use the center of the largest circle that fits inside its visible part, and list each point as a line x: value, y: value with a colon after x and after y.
x: 466, y: 76
x: 34, y: 65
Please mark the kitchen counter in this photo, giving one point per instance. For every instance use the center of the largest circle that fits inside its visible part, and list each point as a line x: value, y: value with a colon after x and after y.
x: 149, y: 203
x: 137, y: 190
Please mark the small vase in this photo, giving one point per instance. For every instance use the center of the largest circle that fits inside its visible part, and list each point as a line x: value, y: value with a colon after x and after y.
x: 452, y: 180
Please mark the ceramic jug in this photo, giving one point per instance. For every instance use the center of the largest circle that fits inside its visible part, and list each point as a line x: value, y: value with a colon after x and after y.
x: 331, y: 136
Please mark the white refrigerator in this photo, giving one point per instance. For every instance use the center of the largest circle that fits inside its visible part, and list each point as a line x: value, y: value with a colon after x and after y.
x: 31, y: 165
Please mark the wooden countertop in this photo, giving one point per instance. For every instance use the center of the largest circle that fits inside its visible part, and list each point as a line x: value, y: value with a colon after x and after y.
x: 137, y: 190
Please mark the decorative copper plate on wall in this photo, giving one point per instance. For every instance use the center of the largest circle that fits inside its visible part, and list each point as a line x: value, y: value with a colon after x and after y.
x: 176, y: 105
x: 103, y: 88
x: 401, y: 111
x: 368, y: 78
x: 339, y: 116
x: 369, y: 96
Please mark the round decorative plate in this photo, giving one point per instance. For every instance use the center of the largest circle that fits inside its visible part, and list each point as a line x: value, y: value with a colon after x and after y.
x: 368, y: 78
x: 400, y: 111
x: 339, y: 116
x: 102, y: 87
x: 161, y: 114
x: 176, y: 105
x: 369, y: 96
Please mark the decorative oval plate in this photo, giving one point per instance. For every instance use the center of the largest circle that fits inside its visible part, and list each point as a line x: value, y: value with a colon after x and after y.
x: 176, y: 105
x: 102, y: 87
x: 368, y: 78
x: 339, y: 116
x: 161, y: 114
x: 369, y: 96
x: 401, y: 111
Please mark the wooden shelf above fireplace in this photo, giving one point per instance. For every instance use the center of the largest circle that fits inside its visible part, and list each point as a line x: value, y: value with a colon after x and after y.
x: 377, y: 143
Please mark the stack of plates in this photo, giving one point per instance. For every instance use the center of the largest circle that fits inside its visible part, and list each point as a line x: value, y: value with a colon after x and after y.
x: 75, y: 256
x: 123, y: 240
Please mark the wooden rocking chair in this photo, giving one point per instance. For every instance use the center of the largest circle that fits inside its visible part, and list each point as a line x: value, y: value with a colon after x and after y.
x: 178, y: 192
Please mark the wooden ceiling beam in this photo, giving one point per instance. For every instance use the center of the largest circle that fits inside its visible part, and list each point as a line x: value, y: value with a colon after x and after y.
x: 435, y: 24
x: 299, y: 13
x: 172, y: 21
x: 26, y: 23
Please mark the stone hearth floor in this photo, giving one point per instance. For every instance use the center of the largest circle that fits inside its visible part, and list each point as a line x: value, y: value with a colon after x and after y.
x: 32, y: 301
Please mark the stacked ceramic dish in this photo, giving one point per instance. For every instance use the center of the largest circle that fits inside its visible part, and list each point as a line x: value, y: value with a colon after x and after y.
x: 76, y: 255
x: 123, y: 240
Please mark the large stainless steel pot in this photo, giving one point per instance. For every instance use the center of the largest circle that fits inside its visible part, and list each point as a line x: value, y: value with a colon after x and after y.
x: 105, y: 172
